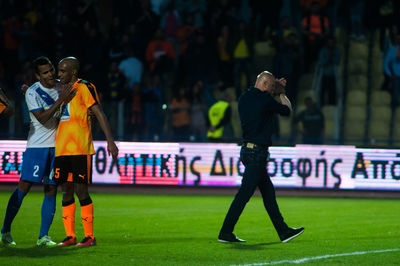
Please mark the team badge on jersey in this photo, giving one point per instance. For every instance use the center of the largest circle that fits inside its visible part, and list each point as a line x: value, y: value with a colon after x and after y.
x: 65, y: 112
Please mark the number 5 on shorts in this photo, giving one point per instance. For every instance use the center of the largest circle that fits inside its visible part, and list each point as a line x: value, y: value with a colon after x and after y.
x: 57, y: 173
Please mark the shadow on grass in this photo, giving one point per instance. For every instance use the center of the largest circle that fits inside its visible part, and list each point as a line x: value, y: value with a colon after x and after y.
x: 35, y: 252
x: 258, y: 246
x: 157, y: 240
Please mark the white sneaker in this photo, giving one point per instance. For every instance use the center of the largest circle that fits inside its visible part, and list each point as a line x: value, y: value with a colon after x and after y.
x: 46, y: 241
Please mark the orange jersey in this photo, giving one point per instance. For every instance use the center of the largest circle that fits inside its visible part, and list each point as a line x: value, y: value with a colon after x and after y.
x: 74, y: 135
x: 315, y: 24
x: 181, y: 116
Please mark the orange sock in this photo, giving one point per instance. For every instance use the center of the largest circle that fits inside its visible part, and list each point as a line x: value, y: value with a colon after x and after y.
x: 69, y: 219
x: 87, y: 219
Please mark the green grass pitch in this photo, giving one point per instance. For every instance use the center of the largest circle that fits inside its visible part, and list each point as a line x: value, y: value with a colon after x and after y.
x: 182, y: 230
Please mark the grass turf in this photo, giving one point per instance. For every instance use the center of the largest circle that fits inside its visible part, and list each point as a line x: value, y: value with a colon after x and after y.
x: 182, y: 230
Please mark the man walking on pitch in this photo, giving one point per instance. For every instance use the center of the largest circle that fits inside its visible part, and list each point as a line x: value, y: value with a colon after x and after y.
x: 43, y: 101
x: 74, y: 150
x: 256, y: 110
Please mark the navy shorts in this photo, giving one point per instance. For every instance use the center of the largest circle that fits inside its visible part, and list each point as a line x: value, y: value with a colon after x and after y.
x: 37, y: 166
x: 73, y: 168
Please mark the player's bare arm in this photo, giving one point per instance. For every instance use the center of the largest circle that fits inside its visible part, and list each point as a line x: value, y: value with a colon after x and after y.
x: 111, y: 147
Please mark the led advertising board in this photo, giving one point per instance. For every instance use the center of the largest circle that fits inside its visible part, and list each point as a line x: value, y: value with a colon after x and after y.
x: 213, y: 164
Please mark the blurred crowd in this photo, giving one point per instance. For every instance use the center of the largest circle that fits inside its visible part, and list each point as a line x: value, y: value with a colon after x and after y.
x: 160, y: 65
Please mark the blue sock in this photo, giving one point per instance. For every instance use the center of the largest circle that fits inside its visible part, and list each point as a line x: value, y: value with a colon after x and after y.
x: 12, y: 209
x: 48, y: 210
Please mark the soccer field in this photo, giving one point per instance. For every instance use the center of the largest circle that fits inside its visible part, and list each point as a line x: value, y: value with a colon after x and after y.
x: 182, y: 230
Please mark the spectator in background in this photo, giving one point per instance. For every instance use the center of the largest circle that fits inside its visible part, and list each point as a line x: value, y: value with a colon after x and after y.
x: 219, y: 117
x: 198, y: 113
x: 31, y: 13
x: 387, y: 11
x: 66, y: 34
x: 118, y: 48
x: 390, y: 39
x: 389, y: 43
x: 115, y: 40
x: 356, y: 19
x: 171, y: 21
x: 148, y: 22
x: 135, y: 112
x: 286, y: 28
x: 242, y: 54
x: 11, y: 46
x: 116, y: 83
x: 244, y: 11
x: 223, y: 13
x: 152, y: 101
x: 86, y: 12
x: 391, y: 66
x: 158, y: 5
x: 329, y: 60
x: 225, y: 62
x: 199, y: 59
x: 160, y: 54
x: 266, y: 15
x: 312, y: 121
x: 185, y: 34
x: 331, y: 11
x: 287, y: 62
x: 306, y: 5
x: 127, y: 11
x: 26, y: 37
x: 66, y: 30
x: 135, y: 42
x: 235, y: 119
x: 45, y: 35
x: 315, y: 29
x: 92, y: 54
x: 180, y: 117
x: 132, y: 68
x: 115, y: 92
x: 196, y: 8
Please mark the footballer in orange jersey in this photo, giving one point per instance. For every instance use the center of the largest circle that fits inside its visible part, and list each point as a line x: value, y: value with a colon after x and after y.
x: 74, y: 150
x: 74, y: 136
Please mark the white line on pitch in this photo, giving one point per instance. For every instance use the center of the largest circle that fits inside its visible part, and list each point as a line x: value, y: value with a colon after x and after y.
x: 319, y: 257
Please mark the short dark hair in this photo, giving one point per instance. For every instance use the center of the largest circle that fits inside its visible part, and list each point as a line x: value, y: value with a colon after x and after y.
x: 40, y: 61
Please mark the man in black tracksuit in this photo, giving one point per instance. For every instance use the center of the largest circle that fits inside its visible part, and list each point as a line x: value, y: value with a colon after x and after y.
x: 256, y: 110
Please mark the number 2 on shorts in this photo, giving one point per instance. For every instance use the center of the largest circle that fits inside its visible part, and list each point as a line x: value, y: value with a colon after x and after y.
x: 36, y: 167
